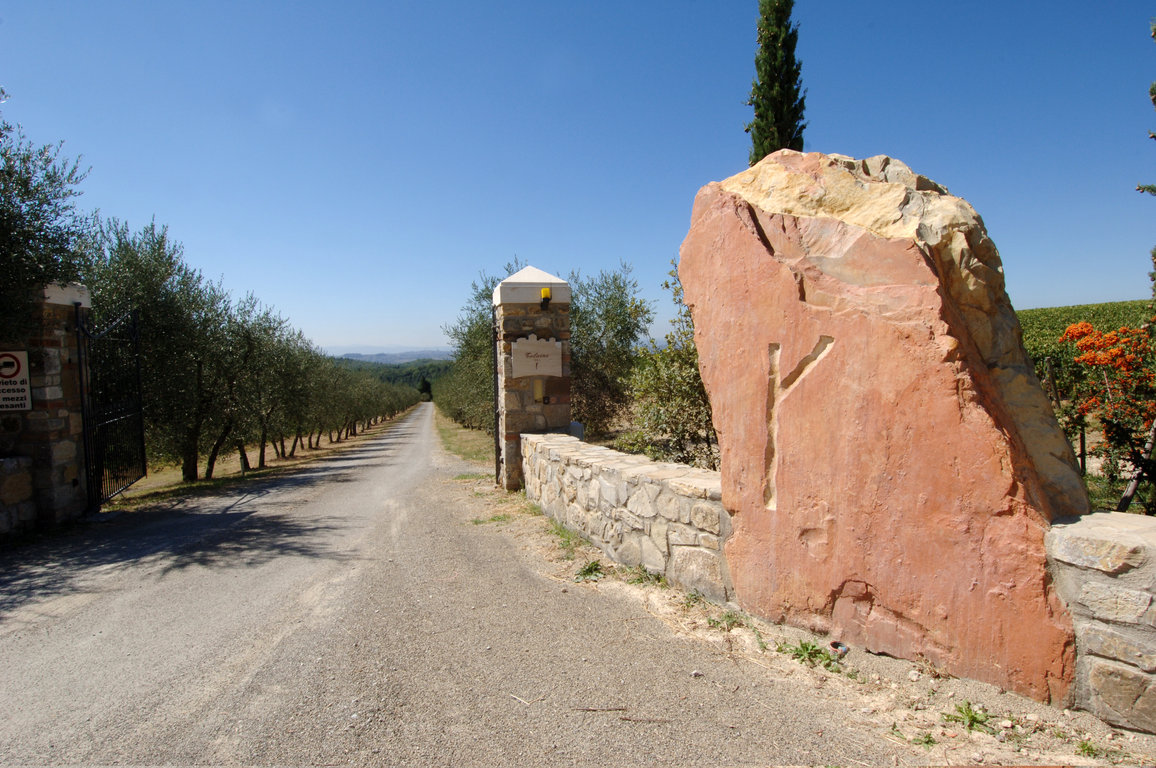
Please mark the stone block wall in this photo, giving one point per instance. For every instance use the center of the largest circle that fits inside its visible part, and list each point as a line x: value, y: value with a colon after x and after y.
x: 44, y: 447
x: 1104, y: 566
x: 668, y: 518
x: 17, y: 507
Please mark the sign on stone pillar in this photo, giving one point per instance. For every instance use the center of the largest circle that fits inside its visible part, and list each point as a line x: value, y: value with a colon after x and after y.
x: 15, y: 391
x: 536, y: 357
x: 532, y: 337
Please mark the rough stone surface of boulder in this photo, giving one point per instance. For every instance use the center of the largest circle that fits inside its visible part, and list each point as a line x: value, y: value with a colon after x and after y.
x: 888, y: 456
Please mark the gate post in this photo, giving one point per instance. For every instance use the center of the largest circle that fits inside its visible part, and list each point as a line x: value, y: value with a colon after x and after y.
x: 42, y: 479
x: 532, y: 363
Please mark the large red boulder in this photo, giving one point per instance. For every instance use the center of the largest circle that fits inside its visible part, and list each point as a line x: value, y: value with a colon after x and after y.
x: 888, y: 456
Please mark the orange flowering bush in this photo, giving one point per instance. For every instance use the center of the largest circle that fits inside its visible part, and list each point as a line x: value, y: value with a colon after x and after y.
x: 1120, y: 390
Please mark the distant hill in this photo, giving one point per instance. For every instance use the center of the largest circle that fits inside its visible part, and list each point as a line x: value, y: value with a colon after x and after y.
x: 419, y: 374
x: 397, y: 358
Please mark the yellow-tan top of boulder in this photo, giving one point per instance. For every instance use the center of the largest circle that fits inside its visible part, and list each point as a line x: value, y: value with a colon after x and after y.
x: 879, y: 194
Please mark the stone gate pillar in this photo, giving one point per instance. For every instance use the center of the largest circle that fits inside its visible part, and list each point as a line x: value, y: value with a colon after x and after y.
x: 532, y: 356
x: 42, y: 480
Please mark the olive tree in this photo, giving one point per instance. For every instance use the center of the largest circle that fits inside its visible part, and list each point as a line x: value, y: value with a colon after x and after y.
x: 608, y: 322
x: 672, y: 414
x: 42, y: 234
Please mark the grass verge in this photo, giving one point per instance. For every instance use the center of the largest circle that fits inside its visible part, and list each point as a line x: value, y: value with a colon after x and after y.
x: 469, y: 444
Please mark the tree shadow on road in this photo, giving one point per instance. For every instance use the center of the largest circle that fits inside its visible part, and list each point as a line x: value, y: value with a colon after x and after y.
x: 243, y: 528
x: 250, y: 540
x: 232, y: 523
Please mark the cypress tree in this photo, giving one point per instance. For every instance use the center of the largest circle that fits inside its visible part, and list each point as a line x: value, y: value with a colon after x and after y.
x: 776, y: 93
x: 1150, y: 188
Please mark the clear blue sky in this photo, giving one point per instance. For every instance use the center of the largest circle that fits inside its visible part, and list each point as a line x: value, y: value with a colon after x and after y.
x: 356, y: 164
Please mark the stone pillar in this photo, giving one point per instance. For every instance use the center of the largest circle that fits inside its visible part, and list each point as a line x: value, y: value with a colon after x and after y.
x: 532, y: 322
x: 42, y: 472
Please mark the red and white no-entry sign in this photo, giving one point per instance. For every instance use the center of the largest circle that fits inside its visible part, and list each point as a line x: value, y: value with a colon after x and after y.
x: 12, y: 366
x: 15, y: 392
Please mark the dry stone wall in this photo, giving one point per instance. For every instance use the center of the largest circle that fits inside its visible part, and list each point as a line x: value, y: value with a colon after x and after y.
x: 1104, y: 566
x: 668, y: 518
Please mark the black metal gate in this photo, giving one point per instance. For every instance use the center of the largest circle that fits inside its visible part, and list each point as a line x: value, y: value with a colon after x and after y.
x: 110, y: 387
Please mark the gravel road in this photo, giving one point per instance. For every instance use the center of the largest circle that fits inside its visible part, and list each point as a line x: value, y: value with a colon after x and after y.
x: 354, y: 613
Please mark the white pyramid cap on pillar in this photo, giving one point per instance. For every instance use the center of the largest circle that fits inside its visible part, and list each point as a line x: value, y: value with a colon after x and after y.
x: 525, y: 287
x: 68, y: 295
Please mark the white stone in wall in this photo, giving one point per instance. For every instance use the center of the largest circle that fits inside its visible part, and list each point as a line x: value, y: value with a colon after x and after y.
x: 1115, y: 644
x: 1111, y: 603
x: 608, y: 490
x: 1121, y: 695
x: 682, y: 535
x: 697, y: 569
x: 659, y: 535
x: 653, y: 559
x: 640, y: 504
x: 705, y: 517
x: 667, y: 506
x: 1110, y: 542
